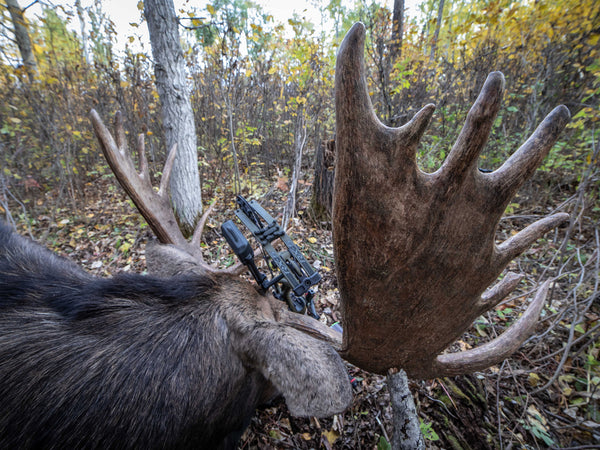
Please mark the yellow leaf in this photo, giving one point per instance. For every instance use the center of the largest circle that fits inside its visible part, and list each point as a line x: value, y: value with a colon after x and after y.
x: 210, y: 9
x: 306, y: 436
x: 312, y: 240
x: 536, y: 418
x: 331, y: 436
x: 272, y: 70
x: 140, y: 5
x: 15, y: 120
x: 534, y: 379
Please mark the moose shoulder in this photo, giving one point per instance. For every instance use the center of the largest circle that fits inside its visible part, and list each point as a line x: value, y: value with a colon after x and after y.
x: 145, y: 361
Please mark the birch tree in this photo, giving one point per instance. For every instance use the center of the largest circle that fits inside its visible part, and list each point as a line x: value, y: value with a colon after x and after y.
x: 178, y: 118
x: 22, y: 36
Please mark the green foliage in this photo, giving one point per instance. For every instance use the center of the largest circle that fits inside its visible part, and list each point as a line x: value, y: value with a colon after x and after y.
x: 383, y: 444
x: 427, y: 431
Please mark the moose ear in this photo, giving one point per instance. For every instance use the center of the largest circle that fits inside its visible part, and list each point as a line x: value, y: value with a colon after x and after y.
x: 309, y: 373
x: 167, y: 260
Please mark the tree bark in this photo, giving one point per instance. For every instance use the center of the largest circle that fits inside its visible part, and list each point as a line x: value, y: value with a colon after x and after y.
x: 299, y: 141
x: 397, y: 30
x: 84, y: 37
x: 407, y: 431
x: 178, y: 118
x: 436, y: 34
x: 22, y: 37
x: 322, y: 192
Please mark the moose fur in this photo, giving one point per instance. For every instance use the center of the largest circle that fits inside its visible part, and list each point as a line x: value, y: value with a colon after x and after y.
x: 139, y: 361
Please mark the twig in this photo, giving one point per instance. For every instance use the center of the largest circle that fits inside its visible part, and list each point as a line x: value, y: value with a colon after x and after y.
x: 498, y: 412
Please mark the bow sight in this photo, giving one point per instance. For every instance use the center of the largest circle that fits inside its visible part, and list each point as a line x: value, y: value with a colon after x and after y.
x: 293, y: 283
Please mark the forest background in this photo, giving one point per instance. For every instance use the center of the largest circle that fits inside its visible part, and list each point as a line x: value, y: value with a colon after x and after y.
x: 260, y: 87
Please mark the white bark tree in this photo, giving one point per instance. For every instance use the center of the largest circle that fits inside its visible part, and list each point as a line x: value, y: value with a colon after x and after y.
x: 22, y: 36
x: 178, y: 118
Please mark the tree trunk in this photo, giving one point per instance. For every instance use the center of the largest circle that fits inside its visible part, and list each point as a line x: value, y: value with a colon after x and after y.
x: 178, y: 118
x: 438, y: 25
x: 84, y: 38
x: 394, y: 56
x: 397, y: 30
x: 407, y: 431
x: 299, y: 141
x: 22, y: 37
x: 322, y: 194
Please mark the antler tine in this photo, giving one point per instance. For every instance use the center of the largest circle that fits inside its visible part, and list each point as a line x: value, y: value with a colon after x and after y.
x: 475, y: 132
x: 350, y: 78
x: 155, y: 208
x: 141, y: 150
x: 413, y: 131
x: 496, y: 350
x: 520, y: 166
x: 517, y: 244
x: 200, y: 227
x: 120, y: 134
x: 167, y: 169
x: 499, y: 291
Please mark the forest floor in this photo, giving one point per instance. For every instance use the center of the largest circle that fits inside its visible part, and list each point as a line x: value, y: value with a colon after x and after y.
x: 546, y: 396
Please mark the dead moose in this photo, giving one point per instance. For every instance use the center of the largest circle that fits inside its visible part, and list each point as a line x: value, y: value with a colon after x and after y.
x: 182, y: 357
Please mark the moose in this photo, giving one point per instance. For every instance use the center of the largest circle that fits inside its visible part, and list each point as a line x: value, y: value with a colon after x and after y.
x: 181, y: 357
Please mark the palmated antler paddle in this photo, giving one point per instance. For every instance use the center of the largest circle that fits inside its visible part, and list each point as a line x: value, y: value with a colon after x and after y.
x: 415, y: 251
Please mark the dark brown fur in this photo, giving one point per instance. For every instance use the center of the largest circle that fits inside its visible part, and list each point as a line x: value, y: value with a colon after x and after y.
x: 142, y: 361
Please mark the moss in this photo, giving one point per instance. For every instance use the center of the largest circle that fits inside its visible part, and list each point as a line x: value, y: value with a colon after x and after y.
x: 454, y: 442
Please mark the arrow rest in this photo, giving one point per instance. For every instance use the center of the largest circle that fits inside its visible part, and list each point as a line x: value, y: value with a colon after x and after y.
x: 296, y: 276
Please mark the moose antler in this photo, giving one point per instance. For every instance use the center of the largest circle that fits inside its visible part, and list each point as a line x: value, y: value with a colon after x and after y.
x: 155, y: 207
x: 415, y: 251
